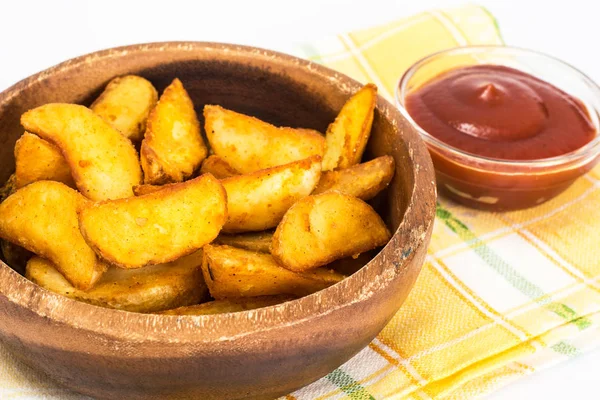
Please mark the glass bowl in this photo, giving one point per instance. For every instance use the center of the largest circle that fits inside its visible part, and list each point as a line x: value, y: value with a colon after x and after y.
x: 498, y: 184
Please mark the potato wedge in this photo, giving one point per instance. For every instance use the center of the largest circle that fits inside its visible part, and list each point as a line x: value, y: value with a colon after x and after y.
x: 39, y: 160
x: 255, y: 241
x: 158, y: 227
x: 258, y: 201
x: 229, y: 305
x: 230, y: 272
x: 9, y: 187
x: 126, y: 103
x: 42, y: 218
x: 104, y: 163
x: 150, y: 289
x: 218, y: 167
x: 348, y: 135
x: 15, y: 256
x: 248, y: 144
x: 320, y: 229
x: 361, y: 180
x: 172, y: 149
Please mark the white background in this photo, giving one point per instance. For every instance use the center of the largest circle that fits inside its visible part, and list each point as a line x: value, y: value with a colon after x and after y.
x: 36, y: 35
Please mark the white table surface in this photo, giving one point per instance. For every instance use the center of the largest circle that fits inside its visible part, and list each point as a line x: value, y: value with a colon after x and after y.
x: 37, y: 34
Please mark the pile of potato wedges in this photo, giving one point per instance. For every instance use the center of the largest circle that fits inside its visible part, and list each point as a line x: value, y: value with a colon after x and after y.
x: 130, y: 204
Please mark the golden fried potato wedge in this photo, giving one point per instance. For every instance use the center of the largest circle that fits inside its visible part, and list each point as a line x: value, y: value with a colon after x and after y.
x: 38, y: 160
x: 218, y: 167
x: 172, y: 149
x: 248, y: 144
x: 348, y: 135
x: 126, y: 103
x: 149, y: 289
x: 258, y: 201
x: 229, y: 305
x: 254, y: 241
x: 42, y: 218
x: 232, y: 272
x: 104, y: 163
x: 361, y: 180
x: 158, y: 227
x: 15, y: 256
x: 320, y: 229
x: 9, y: 187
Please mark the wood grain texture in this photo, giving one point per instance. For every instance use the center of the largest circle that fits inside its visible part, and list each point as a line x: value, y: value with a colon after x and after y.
x: 253, y: 354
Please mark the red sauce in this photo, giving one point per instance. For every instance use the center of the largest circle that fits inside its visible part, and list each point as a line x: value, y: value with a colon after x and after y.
x: 500, y: 112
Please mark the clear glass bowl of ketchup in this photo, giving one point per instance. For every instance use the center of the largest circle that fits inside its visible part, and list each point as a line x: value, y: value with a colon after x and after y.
x: 507, y: 128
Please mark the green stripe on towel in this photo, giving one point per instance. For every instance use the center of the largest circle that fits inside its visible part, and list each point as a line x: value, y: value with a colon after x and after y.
x: 504, y: 269
x: 351, y: 387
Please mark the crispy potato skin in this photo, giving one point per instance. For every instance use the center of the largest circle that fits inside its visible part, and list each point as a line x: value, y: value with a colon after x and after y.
x: 103, y: 163
x: 143, y: 189
x: 42, y: 218
x: 361, y: 180
x: 173, y: 148
x: 218, y: 167
x: 158, y: 227
x: 258, y: 201
x: 126, y: 103
x: 38, y: 160
x: 323, y: 228
x: 150, y: 289
x: 229, y: 305
x: 255, y: 241
x: 248, y: 144
x: 348, y: 135
x: 230, y: 272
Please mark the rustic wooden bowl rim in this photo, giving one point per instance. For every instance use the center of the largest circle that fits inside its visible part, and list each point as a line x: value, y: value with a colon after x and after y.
x: 357, y: 288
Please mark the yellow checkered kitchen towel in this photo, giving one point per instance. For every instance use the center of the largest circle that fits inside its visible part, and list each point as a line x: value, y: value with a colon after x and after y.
x: 500, y: 295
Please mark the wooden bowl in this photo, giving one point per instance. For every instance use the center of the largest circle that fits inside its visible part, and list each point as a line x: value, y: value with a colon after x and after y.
x: 263, y: 353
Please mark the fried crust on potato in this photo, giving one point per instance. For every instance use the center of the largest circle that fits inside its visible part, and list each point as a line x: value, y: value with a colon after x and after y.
x: 172, y: 149
x: 248, y: 144
x: 126, y: 103
x: 39, y: 160
x: 158, y: 227
x: 218, y: 167
x: 42, y: 218
x: 254, y: 241
x: 104, y: 163
x: 348, y: 135
x: 230, y: 272
x: 149, y: 289
x: 143, y: 189
x: 320, y: 229
x: 258, y: 201
x: 229, y: 305
x: 361, y: 180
